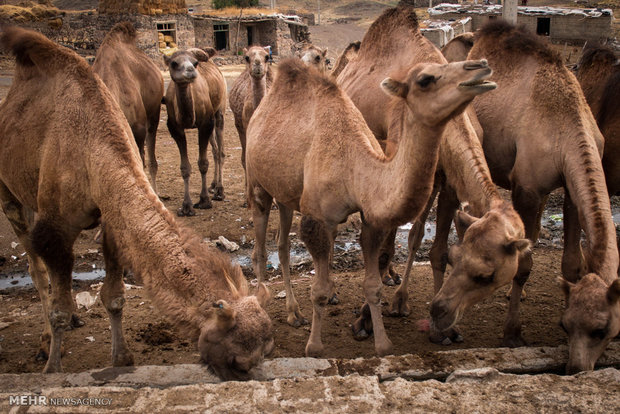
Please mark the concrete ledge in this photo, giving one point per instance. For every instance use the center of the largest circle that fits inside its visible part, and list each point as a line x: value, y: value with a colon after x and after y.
x: 434, y: 365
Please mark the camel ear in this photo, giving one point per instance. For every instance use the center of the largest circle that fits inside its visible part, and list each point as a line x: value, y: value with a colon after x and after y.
x: 224, y: 317
x: 565, y: 285
x: 263, y: 295
x: 210, y: 51
x: 395, y: 88
x: 199, y: 54
x: 517, y: 246
x: 613, y: 293
x: 167, y: 60
x: 324, y: 53
x: 462, y: 221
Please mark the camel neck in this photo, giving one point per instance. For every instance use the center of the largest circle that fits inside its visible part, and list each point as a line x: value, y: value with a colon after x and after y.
x: 395, y: 191
x: 185, y: 102
x: 259, y: 88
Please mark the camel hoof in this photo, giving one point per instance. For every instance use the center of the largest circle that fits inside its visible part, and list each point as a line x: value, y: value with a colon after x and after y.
x: 185, y: 212
x: 388, y: 281
x: 334, y: 300
x: 125, y: 360
x: 298, y: 322
x: 76, y: 322
x: 203, y: 205
x: 397, y: 278
x: 41, y: 356
x: 399, y: 312
x: 218, y: 194
x: 313, y: 350
x: 514, y: 342
x: 361, y: 335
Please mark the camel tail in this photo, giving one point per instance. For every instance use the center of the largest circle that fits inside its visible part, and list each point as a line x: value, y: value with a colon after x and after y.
x: 33, y: 50
x: 123, y: 31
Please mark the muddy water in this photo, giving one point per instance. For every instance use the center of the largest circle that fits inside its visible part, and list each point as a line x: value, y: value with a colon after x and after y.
x: 23, y: 279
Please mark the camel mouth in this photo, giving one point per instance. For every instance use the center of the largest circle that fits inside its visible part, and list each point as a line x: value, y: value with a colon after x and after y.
x: 478, y: 84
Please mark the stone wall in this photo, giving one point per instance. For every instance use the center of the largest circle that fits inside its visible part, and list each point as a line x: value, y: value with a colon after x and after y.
x: 441, y: 32
x: 147, y: 7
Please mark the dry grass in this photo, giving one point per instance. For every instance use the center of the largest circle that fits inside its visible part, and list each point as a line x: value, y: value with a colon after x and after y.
x: 19, y: 14
x: 234, y: 11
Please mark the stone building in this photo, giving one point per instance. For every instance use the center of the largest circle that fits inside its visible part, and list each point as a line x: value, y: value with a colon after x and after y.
x: 574, y: 26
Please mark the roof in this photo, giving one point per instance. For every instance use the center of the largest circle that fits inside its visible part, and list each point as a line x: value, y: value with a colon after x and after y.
x: 444, y: 8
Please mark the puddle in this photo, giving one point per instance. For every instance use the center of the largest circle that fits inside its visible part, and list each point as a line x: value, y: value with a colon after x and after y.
x: 24, y: 280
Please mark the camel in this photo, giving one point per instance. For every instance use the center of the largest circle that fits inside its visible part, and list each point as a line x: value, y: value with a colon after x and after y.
x: 249, y: 89
x: 314, y: 55
x: 316, y: 155
x: 68, y: 161
x: 458, y: 48
x: 347, y: 55
x: 196, y: 98
x: 598, y: 72
x: 392, y: 43
x: 137, y: 85
x: 539, y: 134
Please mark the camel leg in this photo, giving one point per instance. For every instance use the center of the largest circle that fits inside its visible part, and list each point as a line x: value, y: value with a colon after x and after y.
x: 389, y: 276
x: 178, y: 135
x: 204, y: 136
x: 295, y: 317
x: 527, y: 204
x: 261, y: 207
x: 54, y: 244
x: 139, y: 134
x: 20, y: 220
x: 319, y: 242
x: 113, y: 298
x: 217, y: 184
x: 573, y: 262
x: 151, y: 140
x: 371, y: 240
x: 447, y: 204
x: 414, y: 240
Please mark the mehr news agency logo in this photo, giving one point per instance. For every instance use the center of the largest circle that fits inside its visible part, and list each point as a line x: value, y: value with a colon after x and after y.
x: 26, y: 400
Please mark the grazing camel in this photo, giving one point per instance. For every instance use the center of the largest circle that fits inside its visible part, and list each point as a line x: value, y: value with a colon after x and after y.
x: 249, y: 89
x: 598, y: 72
x: 137, y: 85
x: 315, y: 56
x: 539, y: 134
x: 316, y: 155
x: 68, y: 156
x: 393, y: 43
x: 348, y: 54
x: 196, y: 98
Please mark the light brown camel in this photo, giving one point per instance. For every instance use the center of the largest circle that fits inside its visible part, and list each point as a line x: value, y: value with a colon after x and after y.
x: 393, y: 43
x: 598, y: 72
x: 137, y: 85
x: 249, y: 89
x: 196, y: 98
x: 539, y: 134
x: 459, y: 47
x: 68, y: 156
x: 317, y: 156
x: 347, y: 55
x: 315, y: 56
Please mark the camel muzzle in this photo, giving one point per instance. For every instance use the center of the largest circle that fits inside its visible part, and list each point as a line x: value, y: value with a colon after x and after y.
x: 476, y: 64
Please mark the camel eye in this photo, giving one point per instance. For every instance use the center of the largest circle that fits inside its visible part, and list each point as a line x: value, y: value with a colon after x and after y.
x: 247, y: 59
x: 195, y: 63
x: 317, y: 59
x: 426, y: 80
x: 598, y: 334
x: 174, y: 65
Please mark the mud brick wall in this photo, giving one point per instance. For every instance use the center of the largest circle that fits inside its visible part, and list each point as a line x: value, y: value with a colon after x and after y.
x: 148, y: 7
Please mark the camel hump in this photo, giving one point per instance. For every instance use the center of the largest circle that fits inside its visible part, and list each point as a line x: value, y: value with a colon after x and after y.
x: 391, y: 22
x: 292, y: 71
x: 33, y: 49
x: 597, y: 53
x: 505, y: 37
x: 124, y: 31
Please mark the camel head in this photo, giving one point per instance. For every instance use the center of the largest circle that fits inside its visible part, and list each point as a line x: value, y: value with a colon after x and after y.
x: 485, y: 259
x: 436, y: 92
x: 591, y: 319
x: 256, y: 61
x: 183, y: 63
x: 237, y: 335
x: 314, y: 56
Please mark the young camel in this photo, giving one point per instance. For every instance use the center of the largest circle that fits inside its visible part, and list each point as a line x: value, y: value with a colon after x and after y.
x: 249, y: 89
x: 196, y: 98
x: 393, y: 43
x: 539, y: 134
x: 137, y: 85
x: 56, y: 117
x: 315, y: 56
x: 317, y: 156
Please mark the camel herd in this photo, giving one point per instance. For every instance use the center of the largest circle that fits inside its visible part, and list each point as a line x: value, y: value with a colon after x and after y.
x: 395, y: 124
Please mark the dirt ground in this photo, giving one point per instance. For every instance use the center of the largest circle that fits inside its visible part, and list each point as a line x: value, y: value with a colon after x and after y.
x: 154, y: 341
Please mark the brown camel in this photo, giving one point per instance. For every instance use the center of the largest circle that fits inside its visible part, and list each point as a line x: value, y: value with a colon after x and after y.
x: 68, y: 156
x: 249, y: 89
x: 459, y: 47
x: 317, y: 156
x: 137, y: 85
x: 539, y: 134
x: 393, y: 43
x: 598, y: 72
x: 196, y: 98
x: 347, y: 55
x: 315, y: 56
